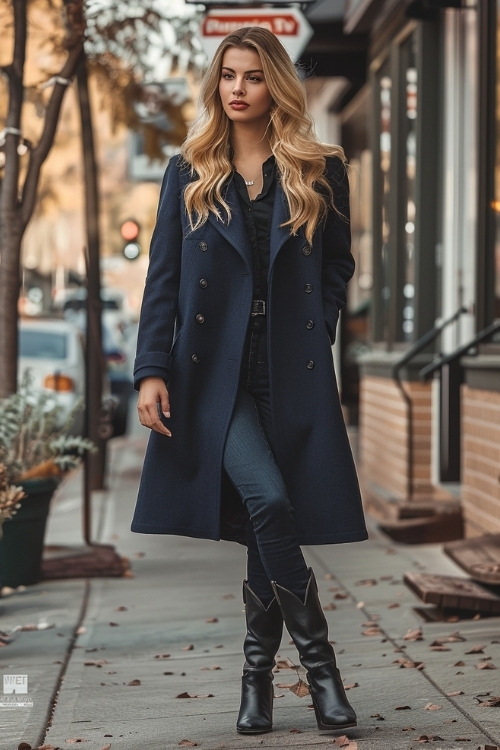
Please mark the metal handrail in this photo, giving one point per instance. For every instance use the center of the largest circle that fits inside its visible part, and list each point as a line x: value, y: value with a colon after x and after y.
x: 425, y: 340
x: 438, y: 363
x: 417, y: 347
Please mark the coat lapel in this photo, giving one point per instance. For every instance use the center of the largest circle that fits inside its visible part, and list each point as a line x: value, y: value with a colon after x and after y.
x: 235, y: 232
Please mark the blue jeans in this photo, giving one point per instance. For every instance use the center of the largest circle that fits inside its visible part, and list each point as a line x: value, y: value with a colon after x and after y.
x: 273, y: 551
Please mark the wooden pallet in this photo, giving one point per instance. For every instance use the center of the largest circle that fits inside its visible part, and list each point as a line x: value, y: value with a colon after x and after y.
x: 449, y: 592
x: 479, y: 557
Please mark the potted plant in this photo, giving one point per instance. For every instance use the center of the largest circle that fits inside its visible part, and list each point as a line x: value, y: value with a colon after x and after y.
x: 37, y: 450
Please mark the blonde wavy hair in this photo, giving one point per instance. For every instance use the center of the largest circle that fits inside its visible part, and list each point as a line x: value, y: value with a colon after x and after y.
x: 300, y: 156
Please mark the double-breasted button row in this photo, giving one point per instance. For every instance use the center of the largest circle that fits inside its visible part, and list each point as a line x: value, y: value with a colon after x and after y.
x: 308, y: 288
x: 203, y: 246
x: 310, y: 364
x: 306, y: 250
x: 203, y: 283
x: 195, y: 358
x: 310, y: 325
x: 200, y: 318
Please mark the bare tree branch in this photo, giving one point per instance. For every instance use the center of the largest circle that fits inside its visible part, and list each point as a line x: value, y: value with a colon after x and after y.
x: 39, y: 154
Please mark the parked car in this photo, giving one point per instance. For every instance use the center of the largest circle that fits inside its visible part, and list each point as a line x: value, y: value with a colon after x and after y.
x: 116, y: 324
x: 116, y: 351
x: 53, y: 350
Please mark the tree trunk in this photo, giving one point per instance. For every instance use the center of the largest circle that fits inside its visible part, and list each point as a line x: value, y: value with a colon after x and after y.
x: 17, y: 201
x: 95, y: 463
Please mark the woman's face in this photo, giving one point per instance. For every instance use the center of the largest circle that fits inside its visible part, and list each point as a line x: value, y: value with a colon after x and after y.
x: 243, y: 89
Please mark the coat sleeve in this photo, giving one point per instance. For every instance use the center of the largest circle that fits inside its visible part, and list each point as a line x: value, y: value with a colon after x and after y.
x: 159, y: 304
x: 338, y: 262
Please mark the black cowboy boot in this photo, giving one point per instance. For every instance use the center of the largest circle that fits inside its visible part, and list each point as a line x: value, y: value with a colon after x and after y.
x: 262, y: 641
x: 306, y: 623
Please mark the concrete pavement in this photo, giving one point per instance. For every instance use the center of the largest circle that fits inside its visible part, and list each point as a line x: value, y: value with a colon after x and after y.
x: 154, y: 661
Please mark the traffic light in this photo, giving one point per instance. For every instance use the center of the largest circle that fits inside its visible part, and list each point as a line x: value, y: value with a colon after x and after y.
x: 129, y: 231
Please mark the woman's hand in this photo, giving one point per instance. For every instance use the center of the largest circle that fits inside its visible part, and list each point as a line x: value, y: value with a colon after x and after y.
x: 153, y: 399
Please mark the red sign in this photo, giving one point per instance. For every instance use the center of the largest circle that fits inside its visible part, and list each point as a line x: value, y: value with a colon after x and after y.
x: 289, y: 25
x: 281, y: 24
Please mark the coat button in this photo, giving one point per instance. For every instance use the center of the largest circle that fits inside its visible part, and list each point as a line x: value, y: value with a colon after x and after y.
x: 203, y: 246
x: 308, y: 288
x: 310, y: 324
x: 307, y: 250
x: 195, y: 358
x: 203, y: 283
x: 310, y: 364
x: 200, y: 318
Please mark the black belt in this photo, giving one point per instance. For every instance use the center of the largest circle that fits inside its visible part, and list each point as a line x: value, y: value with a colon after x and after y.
x: 258, y: 308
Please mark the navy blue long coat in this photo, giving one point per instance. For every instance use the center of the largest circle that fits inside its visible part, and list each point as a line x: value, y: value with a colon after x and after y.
x: 192, y: 330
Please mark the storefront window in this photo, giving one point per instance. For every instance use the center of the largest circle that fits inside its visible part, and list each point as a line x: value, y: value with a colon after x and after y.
x: 496, y: 203
x: 385, y: 164
x: 409, y: 218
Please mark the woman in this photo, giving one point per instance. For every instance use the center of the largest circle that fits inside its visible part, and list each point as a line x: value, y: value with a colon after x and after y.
x: 249, y: 263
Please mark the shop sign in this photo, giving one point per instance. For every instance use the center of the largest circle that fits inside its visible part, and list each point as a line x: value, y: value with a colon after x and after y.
x: 289, y: 25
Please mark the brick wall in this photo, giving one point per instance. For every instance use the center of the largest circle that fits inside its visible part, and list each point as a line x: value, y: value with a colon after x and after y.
x: 480, y: 461
x: 384, y: 436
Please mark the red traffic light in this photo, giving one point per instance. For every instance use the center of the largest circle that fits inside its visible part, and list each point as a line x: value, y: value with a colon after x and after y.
x: 129, y: 230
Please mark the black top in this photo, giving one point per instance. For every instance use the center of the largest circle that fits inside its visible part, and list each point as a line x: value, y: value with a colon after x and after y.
x: 258, y: 216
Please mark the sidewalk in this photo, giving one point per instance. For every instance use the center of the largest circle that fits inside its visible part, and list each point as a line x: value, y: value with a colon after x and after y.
x: 115, y: 657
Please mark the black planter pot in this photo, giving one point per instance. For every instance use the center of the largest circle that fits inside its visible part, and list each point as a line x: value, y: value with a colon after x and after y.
x: 21, y: 545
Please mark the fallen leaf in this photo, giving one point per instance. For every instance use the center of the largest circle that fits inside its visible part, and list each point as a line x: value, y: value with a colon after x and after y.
x: 408, y: 664
x: 491, y: 702
x: 463, y: 739
x: 114, y: 624
x: 168, y: 672
x: 375, y: 630
x: 403, y: 708
x: 440, y: 648
x: 429, y: 738
x: 283, y: 664
x: 214, y: 668
x: 341, y: 595
x: 454, y: 693
x: 329, y: 607
x: 454, y: 637
x: 106, y: 747
x: 162, y: 656
x: 432, y: 707
x: 194, y: 695
x: 360, y: 605
x: 187, y: 743
x: 352, y: 685
x: 342, y: 741
x: 95, y: 662
x: 285, y: 685
x: 300, y: 689
x: 408, y: 729
x: 229, y: 596
x: 296, y: 731
x: 459, y: 664
x: 379, y: 717
x: 212, y: 619
x: 134, y: 683
x: 121, y: 608
x: 476, y: 650
x: 81, y: 630
x: 394, y: 605
x: 485, y: 665
x: 74, y: 740
x: 413, y: 635
x: 366, y: 582
x: 188, y: 648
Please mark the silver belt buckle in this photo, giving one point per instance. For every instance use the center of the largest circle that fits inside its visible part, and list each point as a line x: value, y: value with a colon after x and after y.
x: 258, y: 307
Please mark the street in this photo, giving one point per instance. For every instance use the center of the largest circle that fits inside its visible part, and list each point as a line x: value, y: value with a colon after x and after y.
x: 154, y: 660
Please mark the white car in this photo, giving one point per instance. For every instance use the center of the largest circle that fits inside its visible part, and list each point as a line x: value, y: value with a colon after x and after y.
x: 54, y: 352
